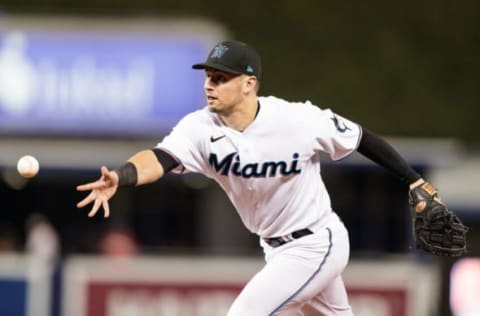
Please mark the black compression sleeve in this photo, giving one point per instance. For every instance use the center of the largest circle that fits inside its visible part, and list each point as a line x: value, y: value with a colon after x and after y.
x: 379, y: 151
x: 165, y: 159
x: 127, y: 175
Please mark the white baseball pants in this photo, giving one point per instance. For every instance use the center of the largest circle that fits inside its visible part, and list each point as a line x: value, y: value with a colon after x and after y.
x: 300, y: 278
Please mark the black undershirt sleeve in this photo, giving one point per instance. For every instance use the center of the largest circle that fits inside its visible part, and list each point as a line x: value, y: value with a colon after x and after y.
x: 166, y: 160
x: 379, y: 151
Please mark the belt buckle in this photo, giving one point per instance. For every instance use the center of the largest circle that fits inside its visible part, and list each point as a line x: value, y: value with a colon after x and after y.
x: 287, y: 238
x: 275, y: 242
x: 278, y: 241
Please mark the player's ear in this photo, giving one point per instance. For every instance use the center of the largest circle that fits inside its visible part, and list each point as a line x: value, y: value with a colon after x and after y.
x: 250, y: 83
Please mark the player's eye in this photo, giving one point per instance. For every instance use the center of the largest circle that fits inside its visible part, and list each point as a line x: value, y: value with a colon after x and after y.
x: 219, y: 78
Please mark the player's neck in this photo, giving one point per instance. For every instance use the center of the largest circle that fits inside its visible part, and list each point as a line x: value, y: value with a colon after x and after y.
x: 242, y: 116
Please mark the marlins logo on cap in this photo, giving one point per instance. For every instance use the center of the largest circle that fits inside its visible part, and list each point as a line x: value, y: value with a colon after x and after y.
x: 218, y: 51
x: 233, y: 57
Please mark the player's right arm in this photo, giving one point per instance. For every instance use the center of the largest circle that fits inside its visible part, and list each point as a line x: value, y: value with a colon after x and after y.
x: 144, y: 167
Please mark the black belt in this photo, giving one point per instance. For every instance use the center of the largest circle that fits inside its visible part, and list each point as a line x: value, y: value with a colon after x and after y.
x: 278, y: 241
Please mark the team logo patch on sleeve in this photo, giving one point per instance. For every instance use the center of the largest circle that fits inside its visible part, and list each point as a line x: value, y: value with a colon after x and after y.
x: 340, y: 124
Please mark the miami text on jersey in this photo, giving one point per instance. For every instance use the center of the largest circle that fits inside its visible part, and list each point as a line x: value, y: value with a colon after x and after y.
x: 231, y: 163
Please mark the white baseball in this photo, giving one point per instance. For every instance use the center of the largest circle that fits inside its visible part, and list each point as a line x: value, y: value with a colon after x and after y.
x: 28, y: 166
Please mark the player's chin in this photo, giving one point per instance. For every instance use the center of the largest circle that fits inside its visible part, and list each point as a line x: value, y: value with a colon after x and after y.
x: 213, y: 107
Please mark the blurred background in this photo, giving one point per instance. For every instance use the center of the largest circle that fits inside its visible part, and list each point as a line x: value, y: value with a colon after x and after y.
x: 88, y: 83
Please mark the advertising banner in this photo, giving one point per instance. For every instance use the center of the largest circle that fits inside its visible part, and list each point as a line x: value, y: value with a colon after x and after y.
x: 192, y: 286
x: 111, y: 78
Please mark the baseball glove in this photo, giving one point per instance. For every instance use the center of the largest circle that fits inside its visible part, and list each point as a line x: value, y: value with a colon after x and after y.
x: 435, y: 228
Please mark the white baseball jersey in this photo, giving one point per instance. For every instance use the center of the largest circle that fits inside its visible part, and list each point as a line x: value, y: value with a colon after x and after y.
x: 271, y: 170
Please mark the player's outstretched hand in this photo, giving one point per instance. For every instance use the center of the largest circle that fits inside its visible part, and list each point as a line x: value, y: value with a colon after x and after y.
x: 102, y: 190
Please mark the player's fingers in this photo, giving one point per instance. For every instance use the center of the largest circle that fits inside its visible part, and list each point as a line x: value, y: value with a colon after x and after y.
x: 83, y: 187
x: 106, y: 209
x: 95, y: 208
x: 92, y: 185
x: 96, y: 184
x: 105, y: 172
x: 110, y: 177
x: 87, y: 200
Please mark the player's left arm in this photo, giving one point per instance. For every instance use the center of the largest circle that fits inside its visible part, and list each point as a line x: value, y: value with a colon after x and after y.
x: 379, y: 151
x: 435, y: 228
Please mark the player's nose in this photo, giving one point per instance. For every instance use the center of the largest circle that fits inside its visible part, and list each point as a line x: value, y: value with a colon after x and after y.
x: 208, y: 85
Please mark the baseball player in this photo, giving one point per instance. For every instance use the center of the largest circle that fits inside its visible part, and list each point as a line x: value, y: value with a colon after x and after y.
x: 264, y: 153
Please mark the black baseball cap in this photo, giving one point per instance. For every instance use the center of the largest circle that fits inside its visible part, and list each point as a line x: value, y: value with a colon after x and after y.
x: 233, y: 57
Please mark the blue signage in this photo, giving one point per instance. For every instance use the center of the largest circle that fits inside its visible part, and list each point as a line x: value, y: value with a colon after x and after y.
x: 14, y: 297
x: 74, y: 83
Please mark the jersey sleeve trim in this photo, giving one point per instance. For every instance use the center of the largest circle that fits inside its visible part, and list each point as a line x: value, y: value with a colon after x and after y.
x: 167, y: 161
x: 179, y: 168
x: 359, y: 140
